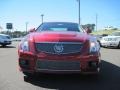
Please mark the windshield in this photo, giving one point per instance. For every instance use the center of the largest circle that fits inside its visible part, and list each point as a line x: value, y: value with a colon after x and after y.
x: 59, y: 26
x: 115, y: 34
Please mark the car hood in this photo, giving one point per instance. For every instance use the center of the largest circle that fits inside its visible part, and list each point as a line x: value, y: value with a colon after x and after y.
x: 111, y: 37
x: 59, y: 37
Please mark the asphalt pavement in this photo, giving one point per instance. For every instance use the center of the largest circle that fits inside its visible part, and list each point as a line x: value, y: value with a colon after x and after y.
x: 12, y: 79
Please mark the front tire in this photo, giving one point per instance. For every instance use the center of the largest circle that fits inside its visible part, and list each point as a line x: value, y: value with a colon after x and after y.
x: 119, y: 45
x: 31, y: 75
x: 3, y: 45
x: 28, y: 74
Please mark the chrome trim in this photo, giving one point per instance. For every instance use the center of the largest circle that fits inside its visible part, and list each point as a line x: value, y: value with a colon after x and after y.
x: 61, y: 53
x: 61, y: 42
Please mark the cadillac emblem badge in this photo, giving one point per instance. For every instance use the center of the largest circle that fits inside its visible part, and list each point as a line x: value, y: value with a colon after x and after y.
x: 58, y: 48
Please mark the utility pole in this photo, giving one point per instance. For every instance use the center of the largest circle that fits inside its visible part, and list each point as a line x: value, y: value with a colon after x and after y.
x: 42, y: 17
x: 26, y: 24
x: 79, y: 11
x: 96, y: 21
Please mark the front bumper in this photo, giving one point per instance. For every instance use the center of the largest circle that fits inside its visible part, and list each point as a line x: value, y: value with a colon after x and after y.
x: 31, y: 63
x: 6, y: 43
x: 109, y: 43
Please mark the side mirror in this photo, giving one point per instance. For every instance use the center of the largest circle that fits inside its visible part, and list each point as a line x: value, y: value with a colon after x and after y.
x: 32, y: 30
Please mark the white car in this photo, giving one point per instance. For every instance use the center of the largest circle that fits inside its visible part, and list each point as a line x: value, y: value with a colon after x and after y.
x: 112, y: 40
x: 17, y: 39
x: 5, y: 40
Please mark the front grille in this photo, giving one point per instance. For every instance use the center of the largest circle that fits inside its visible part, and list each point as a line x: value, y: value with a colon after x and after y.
x: 59, y: 48
x: 57, y: 65
x: 110, y: 39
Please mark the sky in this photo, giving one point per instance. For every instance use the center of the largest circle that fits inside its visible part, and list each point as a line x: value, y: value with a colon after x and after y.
x: 20, y: 12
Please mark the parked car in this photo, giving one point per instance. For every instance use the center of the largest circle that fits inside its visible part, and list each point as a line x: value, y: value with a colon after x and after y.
x: 17, y: 39
x: 112, y: 40
x: 59, y: 47
x: 5, y: 40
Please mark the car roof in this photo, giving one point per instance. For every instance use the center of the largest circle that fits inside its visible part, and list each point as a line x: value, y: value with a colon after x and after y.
x: 62, y: 22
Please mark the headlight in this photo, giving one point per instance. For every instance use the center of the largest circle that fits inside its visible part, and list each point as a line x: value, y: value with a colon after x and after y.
x: 94, y: 47
x: 115, y: 39
x: 25, y: 46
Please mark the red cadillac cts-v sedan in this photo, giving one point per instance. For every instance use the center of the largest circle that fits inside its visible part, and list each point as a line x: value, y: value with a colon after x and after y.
x: 59, y: 47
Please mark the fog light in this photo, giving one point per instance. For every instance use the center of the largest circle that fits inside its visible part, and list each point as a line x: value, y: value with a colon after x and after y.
x: 93, y: 64
x: 24, y: 63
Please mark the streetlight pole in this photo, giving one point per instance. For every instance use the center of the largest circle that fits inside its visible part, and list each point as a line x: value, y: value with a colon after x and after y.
x: 42, y: 17
x: 79, y: 11
x: 26, y: 26
x: 96, y: 21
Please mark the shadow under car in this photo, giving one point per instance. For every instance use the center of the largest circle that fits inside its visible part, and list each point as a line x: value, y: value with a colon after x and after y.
x: 108, y: 79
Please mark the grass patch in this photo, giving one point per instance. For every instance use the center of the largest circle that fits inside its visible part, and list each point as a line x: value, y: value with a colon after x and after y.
x: 101, y: 32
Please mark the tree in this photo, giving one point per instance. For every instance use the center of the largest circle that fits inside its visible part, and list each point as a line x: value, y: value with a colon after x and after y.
x: 15, y: 34
x: 90, y: 26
